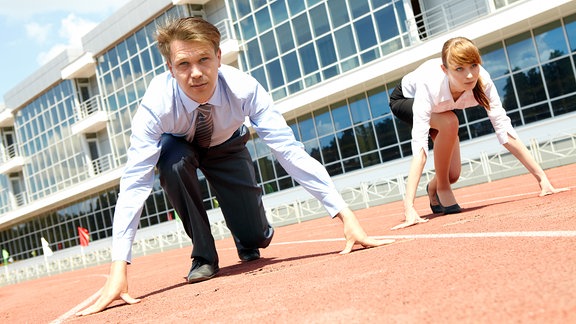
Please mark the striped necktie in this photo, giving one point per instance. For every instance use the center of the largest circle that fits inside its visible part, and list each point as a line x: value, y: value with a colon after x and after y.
x: 204, y: 125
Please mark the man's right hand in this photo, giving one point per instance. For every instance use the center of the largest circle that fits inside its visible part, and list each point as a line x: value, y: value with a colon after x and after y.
x: 116, y: 287
x: 354, y: 233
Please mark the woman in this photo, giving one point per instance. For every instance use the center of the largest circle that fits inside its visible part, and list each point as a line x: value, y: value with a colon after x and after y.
x: 426, y: 99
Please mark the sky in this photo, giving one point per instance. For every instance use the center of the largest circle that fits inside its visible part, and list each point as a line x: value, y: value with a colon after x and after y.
x: 32, y: 32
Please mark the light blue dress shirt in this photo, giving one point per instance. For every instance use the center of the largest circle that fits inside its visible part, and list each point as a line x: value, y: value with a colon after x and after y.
x: 238, y: 98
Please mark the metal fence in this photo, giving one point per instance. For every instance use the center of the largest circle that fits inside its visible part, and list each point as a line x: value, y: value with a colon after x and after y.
x: 558, y: 151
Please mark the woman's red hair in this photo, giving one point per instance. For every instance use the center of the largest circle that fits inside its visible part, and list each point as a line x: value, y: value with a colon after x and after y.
x: 458, y: 51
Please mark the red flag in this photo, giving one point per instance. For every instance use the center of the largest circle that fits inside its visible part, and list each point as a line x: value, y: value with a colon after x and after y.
x: 84, y: 236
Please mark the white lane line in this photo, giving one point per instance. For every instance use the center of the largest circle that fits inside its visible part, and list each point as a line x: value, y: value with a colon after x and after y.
x: 450, y: 235
x: 92, y: 298
x: 505, y: 198
x: 78, y: 307
x: 484, y: 235
x: 395, y: 211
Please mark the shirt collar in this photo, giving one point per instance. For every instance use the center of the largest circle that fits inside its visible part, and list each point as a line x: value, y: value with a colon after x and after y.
x: 445, y: 93
x: 191, y: 105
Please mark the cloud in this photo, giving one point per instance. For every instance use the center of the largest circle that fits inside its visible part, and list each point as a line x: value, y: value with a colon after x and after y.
x: 38, y: 32
x: 30, y: 8
x: 71, y: 30
x: 45, y: 57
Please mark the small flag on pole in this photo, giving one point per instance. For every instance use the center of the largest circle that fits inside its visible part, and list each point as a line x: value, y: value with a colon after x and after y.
x: 5, y: 255
x: 84, y: 236
x: 46, y: 247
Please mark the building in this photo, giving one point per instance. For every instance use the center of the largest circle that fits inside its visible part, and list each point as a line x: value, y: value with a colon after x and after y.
x: 329, y: 65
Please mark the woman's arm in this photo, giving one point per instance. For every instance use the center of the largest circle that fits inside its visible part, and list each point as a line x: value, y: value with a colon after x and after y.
x: 519, y: 150
x: 410, y: 214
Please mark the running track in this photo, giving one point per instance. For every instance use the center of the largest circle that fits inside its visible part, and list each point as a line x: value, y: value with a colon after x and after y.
x: 510, y: 257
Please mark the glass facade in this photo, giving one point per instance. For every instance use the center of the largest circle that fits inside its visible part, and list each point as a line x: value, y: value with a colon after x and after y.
x: 124, y: 72
x: 351, y: 134
x: 289, y: 46
x: 56, y: 158
x: 293, y: 45
x: 4, y: 195
x: 534, y: 73
x: 59, y: 227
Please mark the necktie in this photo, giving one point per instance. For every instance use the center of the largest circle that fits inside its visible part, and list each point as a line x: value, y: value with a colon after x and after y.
x: 204, y: 125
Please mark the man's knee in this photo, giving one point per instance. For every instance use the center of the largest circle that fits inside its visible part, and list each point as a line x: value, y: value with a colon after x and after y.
x: 175, y: 152
x: 256, y: 239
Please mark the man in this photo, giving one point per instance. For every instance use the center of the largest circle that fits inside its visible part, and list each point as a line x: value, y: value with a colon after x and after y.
x: 169, y: 131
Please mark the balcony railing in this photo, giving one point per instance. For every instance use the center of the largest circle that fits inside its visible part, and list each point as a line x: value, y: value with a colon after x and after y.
x: 10, y: 152
x: 102, y: 164
x: 10, y: 159
x: 225, y: 28
x: 228, y: 44
x: 447, y: 16
x: 21, y: 199
x: 91, y: 116
x: 89, y: 107
x: 503, y: 3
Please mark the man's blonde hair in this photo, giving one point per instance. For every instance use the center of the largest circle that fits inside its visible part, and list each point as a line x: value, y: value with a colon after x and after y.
x: 186, y: 29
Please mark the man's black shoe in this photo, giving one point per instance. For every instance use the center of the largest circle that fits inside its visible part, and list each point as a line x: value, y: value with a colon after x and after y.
x: 247, y: 255
x: 201, y: 270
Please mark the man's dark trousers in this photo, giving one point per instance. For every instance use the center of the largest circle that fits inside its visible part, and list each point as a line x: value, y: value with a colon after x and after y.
x: 229, y: 170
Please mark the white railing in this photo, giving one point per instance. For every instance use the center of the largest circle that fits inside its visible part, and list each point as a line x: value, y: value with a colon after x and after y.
x: 21, y: 199
x: 447, y: 16
x: 103, y: 163
x: 168, y: 235
x: 89, y: 107
x: 225, y: 28
x: 8, y: 153
x: 5, y: 204
x: 503, y: 3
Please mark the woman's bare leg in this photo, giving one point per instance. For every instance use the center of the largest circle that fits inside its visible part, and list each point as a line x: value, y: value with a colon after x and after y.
x: 453, y: 173
x: 447, y: 161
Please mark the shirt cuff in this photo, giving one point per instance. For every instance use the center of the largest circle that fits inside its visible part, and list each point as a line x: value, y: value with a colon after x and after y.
x: 503, y: 135
x: 334, y: 203
x: 122, y: 250
x: 417, y: 147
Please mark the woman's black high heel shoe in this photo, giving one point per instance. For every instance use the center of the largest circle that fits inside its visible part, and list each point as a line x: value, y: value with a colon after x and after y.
x: 436, y: 209
x: 453, y: 209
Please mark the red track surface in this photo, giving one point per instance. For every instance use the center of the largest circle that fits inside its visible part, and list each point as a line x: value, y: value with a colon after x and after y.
x: 510, y: 257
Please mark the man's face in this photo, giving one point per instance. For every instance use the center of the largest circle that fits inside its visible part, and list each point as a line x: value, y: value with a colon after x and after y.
x: 195, y: 65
